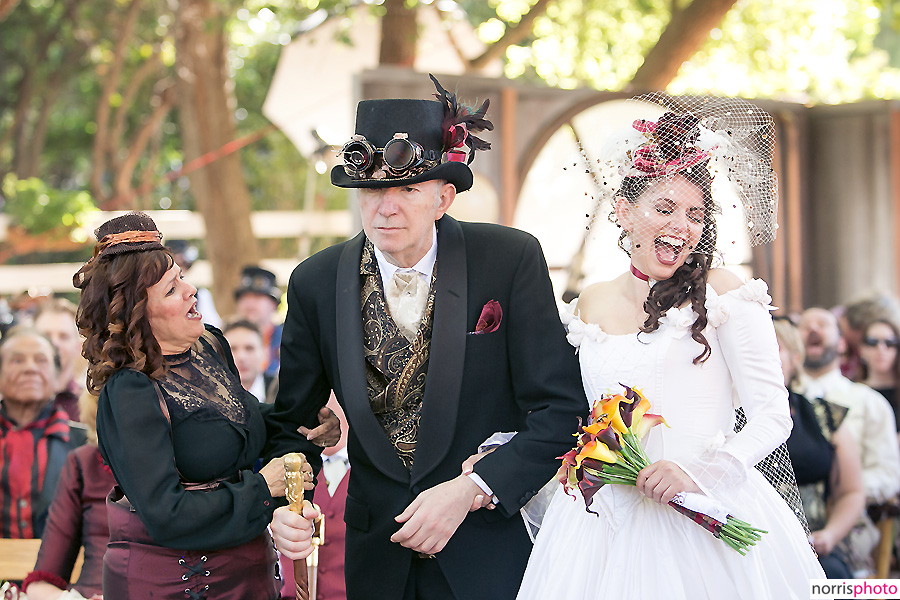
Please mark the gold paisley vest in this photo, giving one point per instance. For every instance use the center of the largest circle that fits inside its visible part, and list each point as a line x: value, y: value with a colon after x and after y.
x: 395, y: 367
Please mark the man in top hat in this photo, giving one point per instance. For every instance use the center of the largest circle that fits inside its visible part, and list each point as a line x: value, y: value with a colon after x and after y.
x: 257, y: 300
x: 433, y: 334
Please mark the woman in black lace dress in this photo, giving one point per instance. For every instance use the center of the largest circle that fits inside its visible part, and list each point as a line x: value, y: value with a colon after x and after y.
x: 188, y: 518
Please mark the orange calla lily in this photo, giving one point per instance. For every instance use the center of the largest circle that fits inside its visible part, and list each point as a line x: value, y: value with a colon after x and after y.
x: 646, y: 423
x: 643, y: 405
x: 597, y: 450
x: 611, y: 407
x: 594, y: 428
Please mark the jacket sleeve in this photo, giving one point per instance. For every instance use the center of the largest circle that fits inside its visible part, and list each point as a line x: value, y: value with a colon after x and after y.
x: 61, y: 539
x: 303, y: 387
x: 546, y: 383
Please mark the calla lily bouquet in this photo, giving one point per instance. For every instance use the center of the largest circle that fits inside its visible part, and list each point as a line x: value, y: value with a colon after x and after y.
x: 609, y: 451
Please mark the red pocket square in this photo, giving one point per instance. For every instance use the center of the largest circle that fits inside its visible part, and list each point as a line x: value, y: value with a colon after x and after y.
x: 490, y: 318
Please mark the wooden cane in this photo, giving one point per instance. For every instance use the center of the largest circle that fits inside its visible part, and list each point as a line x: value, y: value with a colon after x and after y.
x: 305, y: 571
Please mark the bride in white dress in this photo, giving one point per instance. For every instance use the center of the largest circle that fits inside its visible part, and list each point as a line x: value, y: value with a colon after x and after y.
x: 699, y: 343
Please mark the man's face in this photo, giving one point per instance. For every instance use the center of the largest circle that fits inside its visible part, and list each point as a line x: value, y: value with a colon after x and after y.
x: 821, y: 338
x: 256, y: 308
x: 399, y: 220
x: 249, y: 354
x: 60, y: 328
x: 27, y: 370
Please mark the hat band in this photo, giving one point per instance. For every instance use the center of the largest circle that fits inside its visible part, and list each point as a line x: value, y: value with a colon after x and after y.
x: 129, y: 237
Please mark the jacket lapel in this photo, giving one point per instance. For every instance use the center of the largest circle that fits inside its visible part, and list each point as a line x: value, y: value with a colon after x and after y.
x: 448, y: 349
x: 351, y: 365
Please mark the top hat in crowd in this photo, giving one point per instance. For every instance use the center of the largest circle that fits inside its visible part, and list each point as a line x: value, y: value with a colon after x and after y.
x: 400, y: 142
x: 185, y: 250
x: 258, y: 281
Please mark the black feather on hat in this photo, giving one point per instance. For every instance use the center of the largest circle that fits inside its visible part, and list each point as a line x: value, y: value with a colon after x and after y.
x: 460, y: 122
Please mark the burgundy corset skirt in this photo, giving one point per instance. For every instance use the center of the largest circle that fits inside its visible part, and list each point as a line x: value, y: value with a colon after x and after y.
x: 136, y: 568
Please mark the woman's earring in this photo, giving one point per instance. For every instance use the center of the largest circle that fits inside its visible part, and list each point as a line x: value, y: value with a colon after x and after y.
x: 626, y: 242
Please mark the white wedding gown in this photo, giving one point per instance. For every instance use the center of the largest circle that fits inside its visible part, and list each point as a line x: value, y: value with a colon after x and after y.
x: 638, y: 549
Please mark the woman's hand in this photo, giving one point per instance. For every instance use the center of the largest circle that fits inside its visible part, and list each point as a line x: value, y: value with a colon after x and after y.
x: 273, y: 473
x: 292, y: 532
x: 662, y: 480
x: 41, y: 590
x: 328, y: 433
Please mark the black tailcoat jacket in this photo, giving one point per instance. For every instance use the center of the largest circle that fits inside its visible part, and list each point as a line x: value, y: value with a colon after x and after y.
x: 522, y: 377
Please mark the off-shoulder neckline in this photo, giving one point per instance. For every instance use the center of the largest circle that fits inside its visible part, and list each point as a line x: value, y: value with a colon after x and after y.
x: 747, y: 289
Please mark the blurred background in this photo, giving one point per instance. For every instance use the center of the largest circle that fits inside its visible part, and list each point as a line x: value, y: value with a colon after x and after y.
x: 222, y: 119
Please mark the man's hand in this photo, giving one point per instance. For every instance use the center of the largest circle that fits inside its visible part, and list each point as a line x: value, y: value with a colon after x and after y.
x: 292, y: 532
x: 662, y: 480
x: 328, y: 433
x: 433, y: 517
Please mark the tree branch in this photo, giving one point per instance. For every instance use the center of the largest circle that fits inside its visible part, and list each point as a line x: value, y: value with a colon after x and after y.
x: 6, y: 7
x: 683, y: 36
x: 513, y: 35
x: 134, y: 84
x: 101, y: 137
x: 166, y: 99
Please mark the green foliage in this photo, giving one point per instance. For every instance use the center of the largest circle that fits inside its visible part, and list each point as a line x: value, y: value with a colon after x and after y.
x: 38, y: 208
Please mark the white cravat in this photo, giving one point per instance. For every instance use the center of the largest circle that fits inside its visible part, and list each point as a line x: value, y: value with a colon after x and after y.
x: 334, y: 468
x: 406, y: 295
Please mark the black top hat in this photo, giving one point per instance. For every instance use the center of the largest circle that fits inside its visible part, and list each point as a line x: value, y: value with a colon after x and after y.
x: 259, y: 281
x: 429, y: 140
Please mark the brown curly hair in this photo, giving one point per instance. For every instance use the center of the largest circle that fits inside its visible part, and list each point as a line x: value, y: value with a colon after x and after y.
x: 688, y: 283
x: 112, y: 315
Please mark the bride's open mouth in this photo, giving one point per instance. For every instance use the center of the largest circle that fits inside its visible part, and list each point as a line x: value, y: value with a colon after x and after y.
x: 669, y: 248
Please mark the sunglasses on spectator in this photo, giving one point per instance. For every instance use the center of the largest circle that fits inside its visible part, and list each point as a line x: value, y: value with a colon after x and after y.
x: 888, y: 343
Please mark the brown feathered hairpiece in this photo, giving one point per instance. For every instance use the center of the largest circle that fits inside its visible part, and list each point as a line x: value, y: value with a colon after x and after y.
x: 460, y: 123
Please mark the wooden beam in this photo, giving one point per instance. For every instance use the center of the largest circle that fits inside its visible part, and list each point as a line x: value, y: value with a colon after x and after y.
x: 509, y: 194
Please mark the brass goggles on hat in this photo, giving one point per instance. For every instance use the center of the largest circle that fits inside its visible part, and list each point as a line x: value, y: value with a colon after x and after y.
x: 400, y: 158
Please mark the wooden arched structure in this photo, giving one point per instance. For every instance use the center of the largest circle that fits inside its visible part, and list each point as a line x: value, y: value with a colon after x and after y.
x: 838, y: 169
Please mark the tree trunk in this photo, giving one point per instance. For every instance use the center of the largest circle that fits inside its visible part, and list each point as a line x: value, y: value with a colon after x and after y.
x: 682, y: 37
x: 399, y: 32
x: 206, y: 109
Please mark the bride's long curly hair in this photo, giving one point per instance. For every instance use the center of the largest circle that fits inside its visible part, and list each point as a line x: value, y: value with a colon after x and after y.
x: 688, y: 283
x: 112, y: 315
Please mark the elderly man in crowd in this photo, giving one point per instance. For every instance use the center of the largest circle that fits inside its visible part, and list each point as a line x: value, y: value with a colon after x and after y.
x: 35, y: 435
x: 870, y: 420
